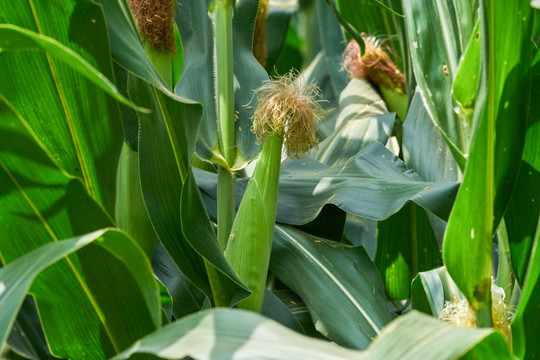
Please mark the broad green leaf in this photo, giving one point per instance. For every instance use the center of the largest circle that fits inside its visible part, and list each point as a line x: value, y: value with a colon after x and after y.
x: 333, y: 44
x: 199, y: 232
x: 492, y: 166
x: 198, y: 78
x: 162, y: 167
x: 167, y: 140
x: 524, y: 208
x: 277, y: 24
x: 186, y: 297
x: 437, y: 34
x: 17, y: 277
x: 374, y: 184
x: 275, y: 309
x: 323, y: 272
x: 406, y: 245
x: 83, y: 128
x: 130, y: 211
x: 362, y: 117
x: 424, y: 148
x: 227, y: 334
x: 16, y: 39
x: 39, y: 205
x: 431, y: 289
x: 27, y: 337
x: 126, y: 47
x: 417, y: 336
x: 525, y: 325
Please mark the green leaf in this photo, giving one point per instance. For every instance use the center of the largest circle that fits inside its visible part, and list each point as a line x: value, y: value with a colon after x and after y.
x: 40, y: 204
x: 323, y: 272
x: 406, y: 245
x: 17, y: 277
x: 198, y: 231
x: 424, y: 149
x: 374, y: 184
x: 126, y: 47
x: 525, y: 324
x: 16, y: 38
x: 333, y: 44
x: 524, y: 208
x: 362, y: 118
x: 431, y: 289
x: 492, y: 166
x: 198, y: 82
x: 130, y: 211
x: 158, y: 156
x: 275, y: 309
x: 27, y: 335
x: 82, y: 131
x: 438, y: 33
x: 417, y: 336
x: 223, y: 333
x: 186, y: 297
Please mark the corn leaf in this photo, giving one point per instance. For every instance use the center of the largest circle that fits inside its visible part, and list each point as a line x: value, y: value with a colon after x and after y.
x: 87, y: 301
x: 406, y: 244
x: 524, y: 208
x: 220, y: 333
x: 224, y: 333
x: 492, y: 166
x: 82, y: 130
x: 126, y: 47
x: 17, y: 277
x: 525, y: 323
x: 323, y: 272
x: 437, y: 34
x: 374, y: 185
x: 424, y: 148
x: 431, y: 289
x: 417, y: 336
x: 362, y: 118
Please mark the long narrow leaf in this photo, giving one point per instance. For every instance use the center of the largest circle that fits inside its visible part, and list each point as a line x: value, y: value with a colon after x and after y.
x: 225, y: 334
x: 82, y: 130
x: 374, y: 184
x: 87, y: 301
x: 323, y: 272
x: 492, y: 167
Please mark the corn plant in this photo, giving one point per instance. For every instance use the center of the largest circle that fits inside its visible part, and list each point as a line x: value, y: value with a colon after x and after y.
x: 311, y: 179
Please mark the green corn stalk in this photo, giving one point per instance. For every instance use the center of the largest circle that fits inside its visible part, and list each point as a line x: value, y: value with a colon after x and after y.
x: 286, y: 114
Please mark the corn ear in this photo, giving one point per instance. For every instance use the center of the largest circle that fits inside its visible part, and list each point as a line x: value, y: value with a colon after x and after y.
x: 250, y: 242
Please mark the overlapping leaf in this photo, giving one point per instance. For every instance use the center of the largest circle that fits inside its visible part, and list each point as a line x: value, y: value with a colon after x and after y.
x: 87, y: 301
x: 198, y: 78
x: 323, y: 272
x: 496, y: 150
x: 437, y: 34
x: 83, y: 128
